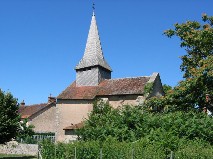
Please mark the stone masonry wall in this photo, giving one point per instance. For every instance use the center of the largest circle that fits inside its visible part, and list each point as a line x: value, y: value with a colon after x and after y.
x: 45, y: 120
x: 116, y: 101
x: 157, y: 87
x: 70, y: 112
x: 15, y: 148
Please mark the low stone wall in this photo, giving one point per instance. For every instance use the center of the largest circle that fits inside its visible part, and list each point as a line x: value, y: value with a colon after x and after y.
x: 16, y: 148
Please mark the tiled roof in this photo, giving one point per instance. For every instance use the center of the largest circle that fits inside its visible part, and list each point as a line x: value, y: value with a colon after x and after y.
x: 106, y: 87
x: 74, y: 126
x: 27, y: 111
x: 93, y: 54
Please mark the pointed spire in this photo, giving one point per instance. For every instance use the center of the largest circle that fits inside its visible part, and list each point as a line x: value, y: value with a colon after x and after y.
x: 93, y: 54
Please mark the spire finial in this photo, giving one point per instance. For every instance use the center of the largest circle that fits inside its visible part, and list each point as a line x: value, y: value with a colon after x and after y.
x: 93, y: 7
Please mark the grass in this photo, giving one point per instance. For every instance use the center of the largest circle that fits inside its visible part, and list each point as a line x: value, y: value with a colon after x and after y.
x: 12, y: 156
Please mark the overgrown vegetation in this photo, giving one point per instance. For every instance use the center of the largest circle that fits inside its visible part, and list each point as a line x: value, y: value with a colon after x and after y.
x: 131, y: 123
x: 112, y: 149
x: 135, y: 131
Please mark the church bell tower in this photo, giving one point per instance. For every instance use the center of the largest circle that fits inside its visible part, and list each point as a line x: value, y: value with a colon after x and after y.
x: 92, y: 68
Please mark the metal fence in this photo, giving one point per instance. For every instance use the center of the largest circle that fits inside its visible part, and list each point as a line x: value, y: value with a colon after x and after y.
x: 132, y: 154
x: 39, y: 138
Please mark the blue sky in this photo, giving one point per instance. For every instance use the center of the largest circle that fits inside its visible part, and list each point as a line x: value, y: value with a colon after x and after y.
x: 41, y: 41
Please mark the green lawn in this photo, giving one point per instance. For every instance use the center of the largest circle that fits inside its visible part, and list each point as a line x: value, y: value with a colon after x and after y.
x: 17, y: 156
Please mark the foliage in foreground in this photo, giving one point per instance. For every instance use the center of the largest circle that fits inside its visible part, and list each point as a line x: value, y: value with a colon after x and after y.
x: 11, y: 126
x: 132, y: 131
x: 9, y: 117
x: 25, y: 132
x: 113, y: 149
x: 131, y: 123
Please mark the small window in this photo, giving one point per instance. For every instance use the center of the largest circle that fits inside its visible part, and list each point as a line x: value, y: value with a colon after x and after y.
x: 70, y: 132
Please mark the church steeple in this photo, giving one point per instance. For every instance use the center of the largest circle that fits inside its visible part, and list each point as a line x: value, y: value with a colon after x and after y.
x: 93, y: 59
x: 93, y: 54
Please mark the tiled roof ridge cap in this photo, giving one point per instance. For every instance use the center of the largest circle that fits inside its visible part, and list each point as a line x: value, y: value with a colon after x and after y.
x: 36, y: 104
x: 127, y: 78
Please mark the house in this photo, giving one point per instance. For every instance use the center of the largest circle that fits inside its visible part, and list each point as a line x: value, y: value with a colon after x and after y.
x: 93, y: 81
x: 42, y: 116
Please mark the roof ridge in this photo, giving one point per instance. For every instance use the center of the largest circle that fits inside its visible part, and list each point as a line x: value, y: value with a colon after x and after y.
x: 127, y: 78
x: 36, y: 104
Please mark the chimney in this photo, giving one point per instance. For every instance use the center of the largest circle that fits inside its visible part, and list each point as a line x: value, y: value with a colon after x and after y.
x: 51, y: 99
x: 22, y: 103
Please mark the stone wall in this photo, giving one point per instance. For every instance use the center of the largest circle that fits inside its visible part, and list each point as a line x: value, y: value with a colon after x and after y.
x: 15, y: 148
x: 70, y: 112
x: 44, y: 121
x: 119, y: 100
x: 75, y: 111
x: 157, y: 85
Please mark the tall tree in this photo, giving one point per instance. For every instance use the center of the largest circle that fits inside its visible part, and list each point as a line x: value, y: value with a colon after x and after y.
x: 9, y: 117
x: 197, y: 63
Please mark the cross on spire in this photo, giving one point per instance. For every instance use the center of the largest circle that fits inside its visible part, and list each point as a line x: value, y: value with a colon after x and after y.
x: 93, y: 8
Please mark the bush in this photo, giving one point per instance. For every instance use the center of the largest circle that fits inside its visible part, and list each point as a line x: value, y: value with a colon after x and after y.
x: 131, y: 123
x: 113, y: 149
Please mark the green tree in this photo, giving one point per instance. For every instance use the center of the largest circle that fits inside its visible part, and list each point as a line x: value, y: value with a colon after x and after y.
x: 167, y: 89
x: 197, y: 65
x: 197, y: 39
x: 9, y: 117
x: 25, y: 132
x: 101, y: 122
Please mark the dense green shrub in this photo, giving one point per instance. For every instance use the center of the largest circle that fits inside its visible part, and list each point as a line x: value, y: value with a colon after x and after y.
x: 131, y: 123
x: 194, y: 149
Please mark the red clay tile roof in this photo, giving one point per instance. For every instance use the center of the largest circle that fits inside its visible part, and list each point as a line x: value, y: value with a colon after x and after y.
x: 107, y: 87
x: 74, y: 126
x: 27, y: 111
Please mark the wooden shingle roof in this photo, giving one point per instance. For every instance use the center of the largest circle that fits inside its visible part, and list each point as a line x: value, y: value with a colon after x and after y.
x: 93, y: 54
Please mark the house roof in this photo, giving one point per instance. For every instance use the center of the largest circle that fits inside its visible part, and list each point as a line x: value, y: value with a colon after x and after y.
x: 27, y: 111
x: 107, y: 87
x: 93, y: 54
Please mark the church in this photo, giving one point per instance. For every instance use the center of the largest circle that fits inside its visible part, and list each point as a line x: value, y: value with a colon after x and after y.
x: 93, y: 81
